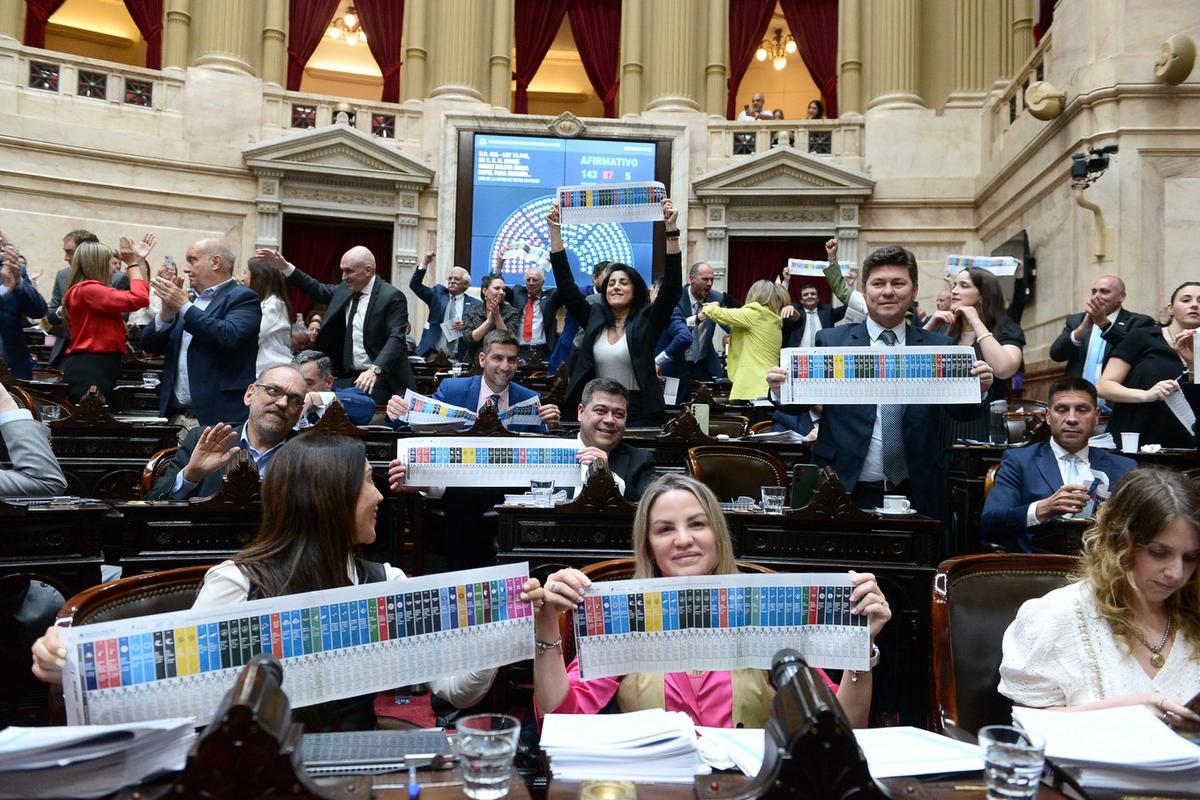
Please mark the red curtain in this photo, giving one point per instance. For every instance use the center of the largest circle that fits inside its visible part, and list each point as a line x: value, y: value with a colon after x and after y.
x: 383, y: 22
x: 148, y: 16
x: 307, y: 22
x: 748, y: 21
x: 753, y: 259
x: 1045, y: 17
x: 538, y: 22
x: 317, y: 247
x: 596, y: 25
x: 37, y: 13
x: 814, y: 26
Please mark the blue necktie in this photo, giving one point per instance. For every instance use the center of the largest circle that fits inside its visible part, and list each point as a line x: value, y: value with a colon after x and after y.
x: 891, y: 425
x: 1094, y: 360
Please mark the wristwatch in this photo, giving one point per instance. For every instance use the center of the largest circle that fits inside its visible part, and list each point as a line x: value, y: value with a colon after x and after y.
x: 376, y: 370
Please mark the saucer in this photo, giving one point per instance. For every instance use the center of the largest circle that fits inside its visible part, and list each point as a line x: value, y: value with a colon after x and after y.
x: 886, y: 513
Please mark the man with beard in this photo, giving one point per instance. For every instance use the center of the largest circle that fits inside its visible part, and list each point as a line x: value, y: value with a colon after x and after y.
x: 274, y: 401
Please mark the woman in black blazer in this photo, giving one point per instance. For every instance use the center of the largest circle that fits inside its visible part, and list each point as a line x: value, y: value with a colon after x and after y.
x: 620, y: 333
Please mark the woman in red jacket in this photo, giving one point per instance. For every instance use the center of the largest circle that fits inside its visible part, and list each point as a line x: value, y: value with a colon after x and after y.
x: 92, y: 312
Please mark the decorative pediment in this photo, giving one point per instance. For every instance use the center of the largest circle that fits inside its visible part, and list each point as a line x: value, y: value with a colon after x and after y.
x: 780, y: 173
x: 337, y: 151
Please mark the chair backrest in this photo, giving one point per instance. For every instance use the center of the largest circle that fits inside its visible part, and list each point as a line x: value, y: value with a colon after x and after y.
x: 989, y: 480
x: 975, y: 599
x: 763, y: 426
x: 733, y: 471
x: 732, y: 425
x: 618, y: 569
x: 155, y: 468
x: 135, y: 596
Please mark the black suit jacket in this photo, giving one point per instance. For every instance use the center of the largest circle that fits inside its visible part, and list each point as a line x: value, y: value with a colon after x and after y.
x: 635, y: 466
x: 845, y: 431
x: 1075, y: 355
x: 550, y: 301
x: 383, y: 328
x: 208, y: 486
x: 709, y: 361
x: 793, y: 329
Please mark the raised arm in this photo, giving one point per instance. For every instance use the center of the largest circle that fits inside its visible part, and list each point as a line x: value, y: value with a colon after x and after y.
x: 569, y: 295
x: 417, y: 282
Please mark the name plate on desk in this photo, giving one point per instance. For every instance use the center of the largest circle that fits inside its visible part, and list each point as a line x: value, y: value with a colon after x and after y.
x: 718, y: 622
x: 873, y: 375
x: 489, y: 461
x: 333, y: 644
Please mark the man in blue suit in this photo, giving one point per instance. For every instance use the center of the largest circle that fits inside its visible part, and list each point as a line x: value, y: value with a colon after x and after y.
x: 1038, y: 484
x: 446, y: 304
x: 670, y: 360
x: 703, y: 362
x: 803, y: 321
x: 317, y: 369
x: 892, y: 449
x: 210, y: 342
x: 18, y: 297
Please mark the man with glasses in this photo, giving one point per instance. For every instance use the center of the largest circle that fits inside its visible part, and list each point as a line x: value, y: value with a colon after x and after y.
x: 274, y: 402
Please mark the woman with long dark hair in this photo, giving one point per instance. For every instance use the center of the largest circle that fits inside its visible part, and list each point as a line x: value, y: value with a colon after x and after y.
x: 275, y: 330
x: 620, y: 332
x: 1148, y: 367
x: 91, y: 312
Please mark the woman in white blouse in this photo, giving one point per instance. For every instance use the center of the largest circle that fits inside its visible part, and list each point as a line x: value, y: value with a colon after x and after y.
x: 1128, y: 631
x: 275, y: 330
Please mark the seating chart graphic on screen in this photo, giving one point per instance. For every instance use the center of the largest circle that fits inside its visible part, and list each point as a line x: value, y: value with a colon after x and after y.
x: 515, y: 178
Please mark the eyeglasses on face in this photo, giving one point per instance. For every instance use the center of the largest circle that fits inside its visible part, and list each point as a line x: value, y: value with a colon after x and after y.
x: 275, y: 392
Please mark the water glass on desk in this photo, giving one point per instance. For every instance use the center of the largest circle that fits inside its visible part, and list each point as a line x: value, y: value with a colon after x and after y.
x: 543, y: 493
x: 486, y: 744
x: 772, y: 499
x: 1012, y: 762
x: 150, y: 380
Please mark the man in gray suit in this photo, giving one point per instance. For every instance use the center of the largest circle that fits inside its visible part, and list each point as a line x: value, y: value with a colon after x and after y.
x: 35, y: 471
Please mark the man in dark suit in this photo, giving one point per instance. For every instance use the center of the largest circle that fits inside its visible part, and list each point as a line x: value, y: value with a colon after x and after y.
x: 802, y: 322
x: 364, y: 325
x: 893, y: 449
x: 317, y: 369
x: 1037, y: 484
x: 273, y: 403
x: 1089, y: 337
x: 703, y: 362
x: 670, y: 353
x: 446, y: 304
x: 210, y: 342
x: 603, y: 410
x: 538, y: 308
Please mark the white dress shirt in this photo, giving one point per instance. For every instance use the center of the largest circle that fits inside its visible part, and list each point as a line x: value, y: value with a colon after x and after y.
x: 183, y: 385
x: 812, y: 324
x: 355, y: 326
x: 486, y: 392
x: 583, y: 469
x: 1083, y: 474
x: 872, y: 469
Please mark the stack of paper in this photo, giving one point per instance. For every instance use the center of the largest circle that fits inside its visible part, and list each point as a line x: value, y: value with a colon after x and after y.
x: 89, y: 760
x: 1115, y: 748
x: 652, y: 746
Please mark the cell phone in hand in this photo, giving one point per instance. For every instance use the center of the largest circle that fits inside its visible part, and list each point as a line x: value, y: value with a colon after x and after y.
x: 1194, y: 703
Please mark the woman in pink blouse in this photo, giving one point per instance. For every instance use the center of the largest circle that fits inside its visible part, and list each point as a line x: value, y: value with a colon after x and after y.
x: 680, y: 531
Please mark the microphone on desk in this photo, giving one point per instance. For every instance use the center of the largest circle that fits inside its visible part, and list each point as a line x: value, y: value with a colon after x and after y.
x: 785, y: 666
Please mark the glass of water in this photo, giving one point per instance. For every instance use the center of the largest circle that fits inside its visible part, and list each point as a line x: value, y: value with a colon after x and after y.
x: 543, y: 493
x: 150, y: 380
x: 50, y: 413
x: 486, y: 744
x: 1012, y: 762
x: 772, y: 499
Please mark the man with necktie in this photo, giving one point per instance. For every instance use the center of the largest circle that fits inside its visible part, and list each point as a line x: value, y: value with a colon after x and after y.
x: 703, y: 362
x: 446, y: 306
x: 364, y: 325
x: 803, y: 321
x: 1089, y: 337
x: 538, y: 307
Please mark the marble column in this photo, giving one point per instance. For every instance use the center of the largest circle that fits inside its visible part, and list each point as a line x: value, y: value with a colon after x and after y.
x: 416, y: 53
x: 970, y: 54
x: 274, y: 42
x: 460, y: 41
x: 672, y: 55
x: 175, y: 34
x: 895, y: 54
x: 226, y: 35
x: 12, y: 19
x: 850, y: 99
x: 716, y: 57
x: 1022, y: 34
x: 500, y: 93
x: 632, y: 64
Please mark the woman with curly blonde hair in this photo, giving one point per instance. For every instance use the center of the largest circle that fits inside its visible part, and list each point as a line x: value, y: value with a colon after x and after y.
x: 1127, y: 632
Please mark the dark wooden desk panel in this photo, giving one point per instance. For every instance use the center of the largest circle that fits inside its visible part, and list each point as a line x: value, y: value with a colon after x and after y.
x: 60, y: 545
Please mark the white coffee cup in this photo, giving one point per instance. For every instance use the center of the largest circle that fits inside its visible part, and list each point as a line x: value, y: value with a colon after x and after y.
x: 896, y: 504
x: 1129, y: 442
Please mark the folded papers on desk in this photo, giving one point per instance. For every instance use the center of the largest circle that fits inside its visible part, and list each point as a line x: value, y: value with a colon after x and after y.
x: 89, y: 760
x: 652, y: 746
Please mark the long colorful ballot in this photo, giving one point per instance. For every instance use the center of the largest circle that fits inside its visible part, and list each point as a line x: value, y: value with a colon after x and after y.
x: 427, y: 412
x: 489, y: 461
x: 815, y: 269
x: 873, y: 375
x: 612, y: 202
x: 997, y: 265
x: 333, y: 644
x: 718, y: 622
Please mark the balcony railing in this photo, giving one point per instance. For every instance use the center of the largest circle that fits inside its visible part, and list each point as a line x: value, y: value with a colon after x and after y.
x: 831, y: 138
x: 291, y: 111
x: 91, y: 80
x: 1010, y: 106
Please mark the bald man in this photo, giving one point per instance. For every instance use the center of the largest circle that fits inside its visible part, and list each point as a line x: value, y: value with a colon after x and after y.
x: 364, y: 326
x: 1089, y: 337
x: 209, y: 340
x: 444, y: 330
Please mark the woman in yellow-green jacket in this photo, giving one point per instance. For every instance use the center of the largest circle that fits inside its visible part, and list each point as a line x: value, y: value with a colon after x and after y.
x: 756, y: 336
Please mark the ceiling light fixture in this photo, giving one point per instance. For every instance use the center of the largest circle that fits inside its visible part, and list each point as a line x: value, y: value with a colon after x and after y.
x: 347, y: 28
x: 776, y: 48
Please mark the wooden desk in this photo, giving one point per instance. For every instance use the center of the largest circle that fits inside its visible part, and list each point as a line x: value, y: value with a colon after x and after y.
x: 57, y: 544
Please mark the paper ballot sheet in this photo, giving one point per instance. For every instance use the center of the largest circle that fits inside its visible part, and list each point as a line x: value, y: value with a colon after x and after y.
x: 872, y: 375
x: 640, y: 201
x: 489, y: 461
x: 815, y: 269
x: 425, y: 412
x: 1000, y: 266
x: 718, y: 622
x: 333, y: 644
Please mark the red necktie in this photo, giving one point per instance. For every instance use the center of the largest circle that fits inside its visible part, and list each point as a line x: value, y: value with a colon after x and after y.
x: 527, y: 332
